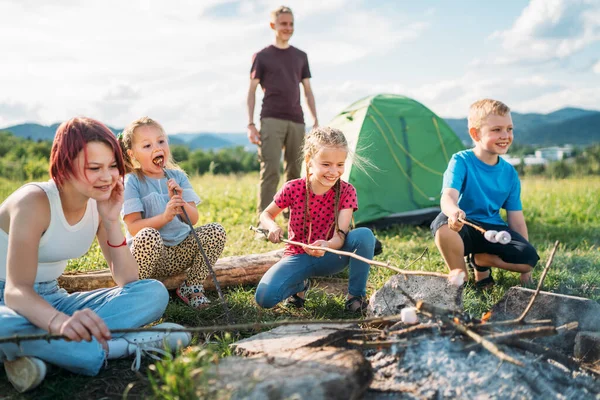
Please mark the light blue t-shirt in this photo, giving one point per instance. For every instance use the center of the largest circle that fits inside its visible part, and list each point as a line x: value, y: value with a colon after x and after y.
x: 484, y: 189
x: 150, y: 197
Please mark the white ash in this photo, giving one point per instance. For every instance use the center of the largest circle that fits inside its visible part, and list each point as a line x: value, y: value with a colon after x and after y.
x: 438, y: 368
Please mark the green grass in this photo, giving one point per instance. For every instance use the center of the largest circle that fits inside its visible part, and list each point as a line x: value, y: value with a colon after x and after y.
x: 564, y: 210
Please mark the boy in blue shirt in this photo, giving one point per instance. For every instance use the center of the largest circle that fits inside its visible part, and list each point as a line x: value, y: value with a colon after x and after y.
x: 477, y: 183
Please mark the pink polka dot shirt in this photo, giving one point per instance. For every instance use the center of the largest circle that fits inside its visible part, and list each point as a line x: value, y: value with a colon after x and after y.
x: 293, y: 194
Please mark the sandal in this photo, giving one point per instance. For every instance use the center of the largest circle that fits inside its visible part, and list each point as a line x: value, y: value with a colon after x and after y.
x: 357, y: 304
x: 485, y: 283
x: 192, y: 295
x: 297, y: 301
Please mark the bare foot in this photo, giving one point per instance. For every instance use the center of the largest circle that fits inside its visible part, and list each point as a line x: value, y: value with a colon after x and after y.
x: 527, y: 279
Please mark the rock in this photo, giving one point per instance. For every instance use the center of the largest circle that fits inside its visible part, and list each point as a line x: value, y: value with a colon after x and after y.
x: 304, y: 373
x: 434, y: 290
x: 587, y: 347
x: 291, y: 337
x: 560, y: 308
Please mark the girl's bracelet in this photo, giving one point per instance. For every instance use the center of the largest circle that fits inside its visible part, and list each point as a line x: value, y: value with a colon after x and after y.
x: 52, y: 320
x: 117, y: 245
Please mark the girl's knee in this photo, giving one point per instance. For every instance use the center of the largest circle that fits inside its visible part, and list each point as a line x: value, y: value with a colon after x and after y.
x: 155, y: 290
x: 263, y: 297
x: 363, y: 235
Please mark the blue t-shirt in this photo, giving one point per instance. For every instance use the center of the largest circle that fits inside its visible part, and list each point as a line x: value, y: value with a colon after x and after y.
x: 150, y: 197
x: 484, y: 189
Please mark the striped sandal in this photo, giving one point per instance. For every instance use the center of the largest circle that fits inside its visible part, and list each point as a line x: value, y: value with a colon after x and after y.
x: 193, y: 295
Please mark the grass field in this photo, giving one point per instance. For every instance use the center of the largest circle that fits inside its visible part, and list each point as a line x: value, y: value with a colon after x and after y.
x: 564, y: 210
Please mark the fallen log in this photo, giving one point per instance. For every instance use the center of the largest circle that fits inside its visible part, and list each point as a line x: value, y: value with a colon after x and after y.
x: 230, y: 271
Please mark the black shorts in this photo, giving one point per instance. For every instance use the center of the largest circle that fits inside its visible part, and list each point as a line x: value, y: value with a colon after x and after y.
x: 518, y: 251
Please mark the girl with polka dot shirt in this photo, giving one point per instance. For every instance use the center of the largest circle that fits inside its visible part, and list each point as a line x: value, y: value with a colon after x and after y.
x: 321, y: 207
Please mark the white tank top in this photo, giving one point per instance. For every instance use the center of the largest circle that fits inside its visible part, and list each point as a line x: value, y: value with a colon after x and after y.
x: 61, y: 241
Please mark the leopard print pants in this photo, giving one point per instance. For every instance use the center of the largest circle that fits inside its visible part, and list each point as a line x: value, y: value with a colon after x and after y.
x: 157, y: 260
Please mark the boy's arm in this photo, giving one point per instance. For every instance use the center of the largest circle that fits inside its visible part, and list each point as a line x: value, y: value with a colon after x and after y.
x: 310, y: 101
x: 449, y: 206
x: 253, y: 134
x: 516, y: 222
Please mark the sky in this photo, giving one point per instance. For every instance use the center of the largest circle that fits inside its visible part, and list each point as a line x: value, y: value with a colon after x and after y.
x: 186, y: 63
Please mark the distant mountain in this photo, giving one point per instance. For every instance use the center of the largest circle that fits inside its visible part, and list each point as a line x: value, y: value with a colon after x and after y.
x: 211, y: 140
x: 194, y: 141
x: 39, y: 132
x: 565, y: 126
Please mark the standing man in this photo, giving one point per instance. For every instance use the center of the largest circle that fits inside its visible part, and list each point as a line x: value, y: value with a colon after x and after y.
x: 279, y: 69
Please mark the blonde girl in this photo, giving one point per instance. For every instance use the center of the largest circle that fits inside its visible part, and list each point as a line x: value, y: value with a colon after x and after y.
x: 160, y: 238
x: 321, y: 207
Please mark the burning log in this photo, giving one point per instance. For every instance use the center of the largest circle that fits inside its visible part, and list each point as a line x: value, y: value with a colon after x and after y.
x: 230, y: 271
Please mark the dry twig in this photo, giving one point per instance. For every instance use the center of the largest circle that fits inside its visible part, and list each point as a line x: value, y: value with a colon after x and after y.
x: 207, y: 329
x: 363, y: 259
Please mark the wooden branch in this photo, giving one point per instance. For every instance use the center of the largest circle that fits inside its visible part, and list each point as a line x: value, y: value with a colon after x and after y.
x: 356, y: 256
x: 540, y: 283
x: 546, y: 353
x: 520, y: 319
x: 414, y: 328
x: 530, y: 333
x: 231, y: 271
x: 486, y: 344
x: 376, y: 344
x: 209, y: 329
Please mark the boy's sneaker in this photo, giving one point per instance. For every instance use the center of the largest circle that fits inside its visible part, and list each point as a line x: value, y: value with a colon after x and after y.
x: 149, y: 343
x: 25, y: 373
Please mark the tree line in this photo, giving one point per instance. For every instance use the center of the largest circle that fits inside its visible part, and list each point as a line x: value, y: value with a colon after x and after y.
x: 25, y: 160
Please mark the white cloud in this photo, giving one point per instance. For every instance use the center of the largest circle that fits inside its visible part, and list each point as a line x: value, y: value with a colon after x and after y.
x: 550, y: 29
x: 187, y: 63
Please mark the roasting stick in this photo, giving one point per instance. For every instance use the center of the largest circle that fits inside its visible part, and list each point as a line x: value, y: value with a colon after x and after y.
x: 472, y: 225
x: 502, y: 237
x: 353, y: 255
x: 159, y: 161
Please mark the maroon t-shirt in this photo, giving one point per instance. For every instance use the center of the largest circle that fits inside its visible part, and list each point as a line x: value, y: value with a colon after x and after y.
x: 280, y: 72
x: 293, y: 195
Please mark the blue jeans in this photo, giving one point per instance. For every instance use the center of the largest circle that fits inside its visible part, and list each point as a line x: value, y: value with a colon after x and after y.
x: 287, y: 276
x: 135, y: 304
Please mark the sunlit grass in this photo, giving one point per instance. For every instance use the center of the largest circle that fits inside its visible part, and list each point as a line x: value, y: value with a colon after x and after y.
x: 565, y: 210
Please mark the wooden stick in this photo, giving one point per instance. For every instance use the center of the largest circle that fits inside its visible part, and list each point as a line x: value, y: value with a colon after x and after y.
x: 413, y: 329
x: 445, y: 315
x: 472, y: 225
x: 370, y: 344
x: 541, y: 331
x: 540, y: 283
x: 209, y: 329
x: 486, y: 344
x: 356, y: 256
x: 520, y: 319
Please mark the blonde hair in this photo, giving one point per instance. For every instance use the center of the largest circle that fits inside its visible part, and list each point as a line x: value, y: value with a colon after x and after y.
x: 481, y: 109
x: 280, y: 10
x: 315, y: 141
x: 126, y: 140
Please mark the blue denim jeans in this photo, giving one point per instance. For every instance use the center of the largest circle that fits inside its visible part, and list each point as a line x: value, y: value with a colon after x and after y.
x: 135, y: 304
x: 287, y: 276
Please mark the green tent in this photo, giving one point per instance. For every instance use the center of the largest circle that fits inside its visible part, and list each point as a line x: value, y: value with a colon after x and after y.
x: 409, y: 145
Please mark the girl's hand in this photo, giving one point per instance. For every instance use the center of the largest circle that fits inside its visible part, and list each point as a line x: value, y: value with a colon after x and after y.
x: 454, y: 222
x: 174, y: 207
x: 174, y: 188
x: 275, y: 234
x: 317, y: 253
x: 82, y: 325
x: 110, y: 208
